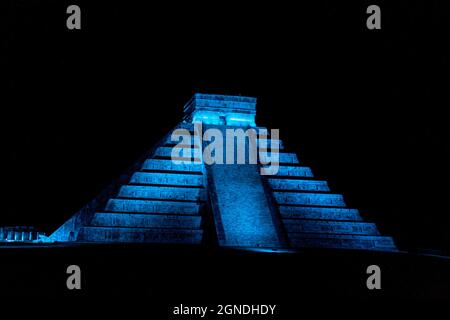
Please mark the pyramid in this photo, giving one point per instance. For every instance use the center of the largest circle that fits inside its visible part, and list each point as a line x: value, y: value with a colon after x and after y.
x: 177, y: 194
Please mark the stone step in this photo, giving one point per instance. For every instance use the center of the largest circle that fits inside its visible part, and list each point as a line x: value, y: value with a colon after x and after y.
x: 289, y: 158
x: 170, y: 165
x: 297, y: 212
x: 181, y: 160
x: 112, y: 219
x: 284, y: 170
x: 332, y: 227
x: 143, y: 235
x: 296, y: 184
x: 316, y: 199
x: 161, y: 192
x: 184, y: 152
x: 159, y: 178
x: 152, y: 206
x: 184, y: 139
x: 342, y: 242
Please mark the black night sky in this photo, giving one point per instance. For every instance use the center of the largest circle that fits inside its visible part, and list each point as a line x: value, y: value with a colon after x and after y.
x: 366, y: 109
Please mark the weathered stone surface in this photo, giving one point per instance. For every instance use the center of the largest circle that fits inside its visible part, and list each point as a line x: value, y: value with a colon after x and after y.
x: 162, y: 192
x: 183, y: 152
x: 159, y: 235
x: 151, y: 206
x: 111, y: 219
x: 169, y: 165
x: 337, y: 227
x: 296, y: 212
x: 316, y: 199
x: 294, y: 171
x: 297, y: 184
x: 242, y: 213
x: 158, y: 178
x: 221, y: 110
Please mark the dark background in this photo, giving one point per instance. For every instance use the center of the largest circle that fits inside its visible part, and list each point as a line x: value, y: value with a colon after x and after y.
x: 366, y: 109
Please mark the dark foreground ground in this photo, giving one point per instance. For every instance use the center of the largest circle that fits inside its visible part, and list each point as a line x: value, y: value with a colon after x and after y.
x: 166, y: 276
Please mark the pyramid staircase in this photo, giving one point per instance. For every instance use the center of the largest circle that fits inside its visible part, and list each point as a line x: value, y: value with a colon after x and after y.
x: 186, y: 201
x: 312, y: 216
x: 161, y: 202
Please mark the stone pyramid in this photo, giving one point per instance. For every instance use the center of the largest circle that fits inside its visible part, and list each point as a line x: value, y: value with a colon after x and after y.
x: 187, y: 199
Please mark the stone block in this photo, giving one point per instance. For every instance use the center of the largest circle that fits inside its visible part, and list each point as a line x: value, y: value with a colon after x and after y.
x: 162, y: 192
x: 111, y: 219
x: 143, y: 235
x: 296, y: 212
x: 152, y: 206
x: 170, y: 165
x: 294, y: 171
x: 159, y: 178
x: 316, y: 199
x: 297, y: 184
x: 332, y: 227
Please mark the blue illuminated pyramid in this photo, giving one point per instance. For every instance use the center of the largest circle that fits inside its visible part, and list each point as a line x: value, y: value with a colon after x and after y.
x: 187, y: 199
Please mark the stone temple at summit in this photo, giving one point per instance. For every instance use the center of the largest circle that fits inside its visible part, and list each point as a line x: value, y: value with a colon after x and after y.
x: 188, y: 199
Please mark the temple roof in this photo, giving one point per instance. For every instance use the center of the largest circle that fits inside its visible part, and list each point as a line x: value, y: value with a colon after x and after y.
x: 221, y: 109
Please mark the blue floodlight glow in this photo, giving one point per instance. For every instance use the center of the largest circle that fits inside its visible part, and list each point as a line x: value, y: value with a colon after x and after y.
x: 167, y: 197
